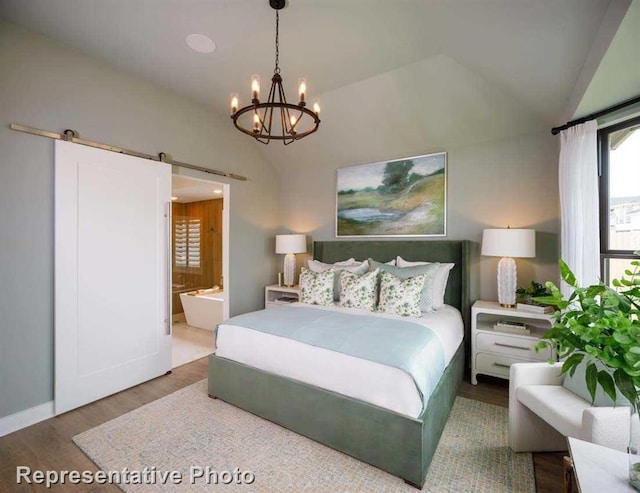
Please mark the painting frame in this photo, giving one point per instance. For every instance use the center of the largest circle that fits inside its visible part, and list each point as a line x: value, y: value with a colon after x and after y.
x: 404, y: 197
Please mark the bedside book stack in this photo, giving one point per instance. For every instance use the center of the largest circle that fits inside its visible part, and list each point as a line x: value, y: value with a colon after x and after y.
x: 287, y: 299
x: 511, y: 327
x: 534, y: 308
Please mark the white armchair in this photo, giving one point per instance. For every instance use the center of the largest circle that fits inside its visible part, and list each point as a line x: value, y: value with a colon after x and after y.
x: 542, y: 413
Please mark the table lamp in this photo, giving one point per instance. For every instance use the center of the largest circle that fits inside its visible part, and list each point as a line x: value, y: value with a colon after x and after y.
x: 508, y: 243
x: 290, y: 245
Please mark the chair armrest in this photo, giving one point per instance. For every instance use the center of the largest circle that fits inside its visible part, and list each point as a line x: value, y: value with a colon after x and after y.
x: 607, y: 426
x: 535, y: 374
x: 541, y: 373
x: 527, y: 431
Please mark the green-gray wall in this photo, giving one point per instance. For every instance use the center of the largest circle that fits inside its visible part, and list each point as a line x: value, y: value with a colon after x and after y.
x: 46, y: 85
x: 502, y: 158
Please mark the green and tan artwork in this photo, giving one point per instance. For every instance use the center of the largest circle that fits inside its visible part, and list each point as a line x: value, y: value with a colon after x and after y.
x: 405, y: 197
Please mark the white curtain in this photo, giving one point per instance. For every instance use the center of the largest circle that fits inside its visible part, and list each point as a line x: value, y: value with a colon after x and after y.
x: 578, y: 175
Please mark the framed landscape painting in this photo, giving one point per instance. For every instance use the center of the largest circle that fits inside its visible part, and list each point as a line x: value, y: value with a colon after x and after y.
x: 404, y: 197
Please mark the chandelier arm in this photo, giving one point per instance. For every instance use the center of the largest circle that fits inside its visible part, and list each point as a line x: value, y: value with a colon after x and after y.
x: 268, y: 116
x: 284, y: 113
x: 271, y: 99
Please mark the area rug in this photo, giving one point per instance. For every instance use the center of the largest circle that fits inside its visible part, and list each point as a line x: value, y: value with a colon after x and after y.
x: 206, y: 445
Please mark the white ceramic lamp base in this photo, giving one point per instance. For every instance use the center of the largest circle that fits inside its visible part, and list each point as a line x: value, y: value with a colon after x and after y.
x: 507, y: 282
x: 289, y: 269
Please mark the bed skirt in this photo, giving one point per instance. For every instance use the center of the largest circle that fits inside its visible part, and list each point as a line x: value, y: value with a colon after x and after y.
x: 396, y: 443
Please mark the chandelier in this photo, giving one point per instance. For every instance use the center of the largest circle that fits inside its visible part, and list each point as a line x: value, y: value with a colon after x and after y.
x: 275, y: 119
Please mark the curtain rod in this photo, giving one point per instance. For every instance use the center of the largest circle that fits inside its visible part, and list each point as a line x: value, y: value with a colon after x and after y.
x: 73, y: 136
x: 593, y: 116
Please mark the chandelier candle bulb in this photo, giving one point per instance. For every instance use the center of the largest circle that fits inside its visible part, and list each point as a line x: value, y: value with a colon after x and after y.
x: 234, y: 102
x: 256, y: 123
x: 302, y: 89
x: 255, y: 88
x: 316, y: 108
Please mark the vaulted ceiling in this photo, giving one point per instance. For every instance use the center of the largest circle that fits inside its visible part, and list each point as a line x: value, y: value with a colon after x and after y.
x: 427, y: 66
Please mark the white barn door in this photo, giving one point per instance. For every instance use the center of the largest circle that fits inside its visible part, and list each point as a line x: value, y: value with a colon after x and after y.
x: 112, y: 273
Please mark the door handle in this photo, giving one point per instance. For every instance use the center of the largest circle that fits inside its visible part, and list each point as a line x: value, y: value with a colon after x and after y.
x: 168, y: 277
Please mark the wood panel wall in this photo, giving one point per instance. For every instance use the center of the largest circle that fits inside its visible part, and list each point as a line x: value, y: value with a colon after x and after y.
x: 210, y: 271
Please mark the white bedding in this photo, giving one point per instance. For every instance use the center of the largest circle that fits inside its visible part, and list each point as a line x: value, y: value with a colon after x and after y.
x: 384, y: 386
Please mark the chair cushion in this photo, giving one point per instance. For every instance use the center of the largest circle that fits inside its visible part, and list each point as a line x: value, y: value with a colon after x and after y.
x: 556, y: 405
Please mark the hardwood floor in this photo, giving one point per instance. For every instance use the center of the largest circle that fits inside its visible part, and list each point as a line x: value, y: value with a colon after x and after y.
x: 48, y: 446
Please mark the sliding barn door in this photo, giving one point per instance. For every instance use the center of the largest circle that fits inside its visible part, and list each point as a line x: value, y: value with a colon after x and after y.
x: 112, y: 313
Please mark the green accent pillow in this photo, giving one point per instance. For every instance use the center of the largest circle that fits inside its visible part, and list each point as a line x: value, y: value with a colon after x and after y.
x: 348, y: 265
x: 428, y: 294
x: 578, y: 385
x: 359, y: 291
x: 400, y: 296
x: 316, y: 288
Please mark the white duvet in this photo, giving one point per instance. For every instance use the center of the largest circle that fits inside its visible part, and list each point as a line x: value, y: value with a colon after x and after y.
x: 384, y: 386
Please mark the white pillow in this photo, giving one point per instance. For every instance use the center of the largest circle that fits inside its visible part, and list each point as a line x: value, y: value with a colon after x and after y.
x: 401, y: 296
x: 440, y: 280
x: 316, y: 288
x: 316, y: 265
x: 359, y: 291
x: 356, y: 267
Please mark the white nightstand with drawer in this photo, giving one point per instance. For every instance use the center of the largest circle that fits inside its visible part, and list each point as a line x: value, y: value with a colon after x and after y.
x: 493, y: 352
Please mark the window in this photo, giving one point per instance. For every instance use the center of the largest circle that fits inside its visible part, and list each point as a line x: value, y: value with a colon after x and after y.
x: 619, y: 155
x: 186, y: 242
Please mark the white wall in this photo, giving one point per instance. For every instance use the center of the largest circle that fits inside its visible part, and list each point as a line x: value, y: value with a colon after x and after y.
x: 46, y: 85
x: 502, y: 158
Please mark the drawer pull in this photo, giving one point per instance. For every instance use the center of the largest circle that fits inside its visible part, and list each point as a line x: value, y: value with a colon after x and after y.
x: 510, y: 346
x: 501, y: 365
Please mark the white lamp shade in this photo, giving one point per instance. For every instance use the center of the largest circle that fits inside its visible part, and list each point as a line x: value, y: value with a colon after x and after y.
x: 291, y: 243
x: 509, y: 243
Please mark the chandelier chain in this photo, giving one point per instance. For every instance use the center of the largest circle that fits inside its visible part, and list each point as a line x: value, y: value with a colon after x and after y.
x: 277, y: 69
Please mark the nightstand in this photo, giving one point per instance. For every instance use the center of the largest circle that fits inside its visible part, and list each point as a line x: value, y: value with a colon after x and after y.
x: 275, y: 295
x: 493, y: 352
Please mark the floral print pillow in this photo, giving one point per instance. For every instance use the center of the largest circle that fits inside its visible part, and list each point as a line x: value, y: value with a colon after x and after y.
x: 316, y: 288
x: 401, y: 296
x: 359, y: 291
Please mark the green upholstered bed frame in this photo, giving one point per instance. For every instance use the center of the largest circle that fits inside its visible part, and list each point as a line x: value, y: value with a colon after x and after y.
x: 394, y: 442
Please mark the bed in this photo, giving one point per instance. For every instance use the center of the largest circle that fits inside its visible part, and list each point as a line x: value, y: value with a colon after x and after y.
x: 393, y: 440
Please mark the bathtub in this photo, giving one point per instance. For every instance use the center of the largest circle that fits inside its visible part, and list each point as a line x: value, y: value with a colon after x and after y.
x: 203, y: 309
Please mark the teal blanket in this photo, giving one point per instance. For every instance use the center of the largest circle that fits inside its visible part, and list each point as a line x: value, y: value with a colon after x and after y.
x: 397, y: 343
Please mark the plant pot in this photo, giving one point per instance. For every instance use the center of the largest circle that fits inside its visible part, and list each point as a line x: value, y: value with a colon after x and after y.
x: 634, y: 448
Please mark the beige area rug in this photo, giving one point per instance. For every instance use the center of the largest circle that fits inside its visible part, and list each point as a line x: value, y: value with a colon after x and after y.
x: 187, y: 430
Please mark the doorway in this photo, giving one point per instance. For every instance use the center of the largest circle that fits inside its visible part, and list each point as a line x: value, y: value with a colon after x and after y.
x: 199, y: 265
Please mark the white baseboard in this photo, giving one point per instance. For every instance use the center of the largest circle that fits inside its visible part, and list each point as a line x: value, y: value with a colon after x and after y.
x: 28, y: 417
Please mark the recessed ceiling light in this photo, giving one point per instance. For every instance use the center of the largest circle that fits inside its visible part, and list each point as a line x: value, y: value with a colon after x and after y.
x: 174, y: 198
x: 201, y: 43
x: 217, y: 191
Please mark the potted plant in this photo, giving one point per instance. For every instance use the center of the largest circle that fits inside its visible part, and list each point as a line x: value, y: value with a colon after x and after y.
x: 526, y: 298
x: 599, y: 323
x: 532, y: 291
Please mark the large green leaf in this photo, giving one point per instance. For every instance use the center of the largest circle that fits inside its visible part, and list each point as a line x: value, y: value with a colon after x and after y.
x: 606, y: 382
x: 571, y: 362
x: 626, y: 386
x: 592, y: 380
x: 566, y: 274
